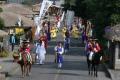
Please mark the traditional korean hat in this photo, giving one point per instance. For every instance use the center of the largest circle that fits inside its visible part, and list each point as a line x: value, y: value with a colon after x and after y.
x: 25, y: 41
x: 95, y: 39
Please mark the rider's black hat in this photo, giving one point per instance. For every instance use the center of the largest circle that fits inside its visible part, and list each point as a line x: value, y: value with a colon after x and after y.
x: 25, y: 41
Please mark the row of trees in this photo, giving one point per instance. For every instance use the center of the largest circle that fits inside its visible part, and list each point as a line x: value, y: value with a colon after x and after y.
x: 101, y: 13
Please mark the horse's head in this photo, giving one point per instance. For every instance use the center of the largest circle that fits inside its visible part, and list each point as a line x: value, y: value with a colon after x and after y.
x: 90, y: 55
x: 101, y: 58
x: 101, y: 53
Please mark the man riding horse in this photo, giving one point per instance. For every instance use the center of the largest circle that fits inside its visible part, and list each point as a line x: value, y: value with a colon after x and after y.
x: 93, y: 56
x: 25, y: 59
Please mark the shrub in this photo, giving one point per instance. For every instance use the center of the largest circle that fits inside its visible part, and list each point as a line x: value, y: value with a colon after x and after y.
x: 1, y: 23
x: 1, y: 10
x: 4, y: 54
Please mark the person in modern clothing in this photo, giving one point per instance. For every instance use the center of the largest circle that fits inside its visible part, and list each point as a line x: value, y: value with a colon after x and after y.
x: 12, y: 41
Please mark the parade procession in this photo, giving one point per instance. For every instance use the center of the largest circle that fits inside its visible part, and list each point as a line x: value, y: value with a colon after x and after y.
x: 59, y: 40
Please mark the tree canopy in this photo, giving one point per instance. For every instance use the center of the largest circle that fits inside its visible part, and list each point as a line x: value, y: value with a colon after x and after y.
x: 101, y: 13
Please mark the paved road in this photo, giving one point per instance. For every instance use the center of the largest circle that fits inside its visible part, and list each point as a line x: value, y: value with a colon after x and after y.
x: 74, y: 68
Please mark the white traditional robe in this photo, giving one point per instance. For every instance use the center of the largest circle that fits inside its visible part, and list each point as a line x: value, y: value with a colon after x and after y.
x: 41, y: 51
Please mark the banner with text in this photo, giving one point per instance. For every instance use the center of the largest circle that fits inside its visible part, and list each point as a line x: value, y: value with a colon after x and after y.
x: 44, y: 8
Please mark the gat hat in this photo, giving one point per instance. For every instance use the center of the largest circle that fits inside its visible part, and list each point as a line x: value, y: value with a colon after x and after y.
x: 95, y: 39
x: 25, y: 41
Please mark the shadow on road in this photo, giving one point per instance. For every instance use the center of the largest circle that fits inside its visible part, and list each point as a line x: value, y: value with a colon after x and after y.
x: 8, y: 61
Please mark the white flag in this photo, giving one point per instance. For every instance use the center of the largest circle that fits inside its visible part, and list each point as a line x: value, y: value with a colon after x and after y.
x: 59, y: 24
x: 62, y: 16
x: 37, y: 32
x: 69, y: 18
x: 44, y: 7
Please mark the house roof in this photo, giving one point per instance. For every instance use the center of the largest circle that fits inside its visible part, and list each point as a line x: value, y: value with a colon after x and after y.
x: 113, y: 33
x: 17, y: 8
x: 12, y: 11
x: 10, y: 19
x: 3, y: 33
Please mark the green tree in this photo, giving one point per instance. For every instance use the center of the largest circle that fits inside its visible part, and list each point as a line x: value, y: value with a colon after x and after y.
x: 102, y: 13
x: 1, y: 10
x: 1, y: 20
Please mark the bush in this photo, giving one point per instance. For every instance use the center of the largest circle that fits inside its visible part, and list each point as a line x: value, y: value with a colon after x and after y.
x: 1, y: 23
x: 1, y: 10
x: 4, y: 54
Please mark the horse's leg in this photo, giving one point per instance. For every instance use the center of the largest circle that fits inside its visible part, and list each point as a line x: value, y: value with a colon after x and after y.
x: 92, y: 68
x: 88, y: 63
x: 96, y: 70
x: 30, y: 65
x: 28, y: 69
x: 22, y: 69
x: 25, y: 69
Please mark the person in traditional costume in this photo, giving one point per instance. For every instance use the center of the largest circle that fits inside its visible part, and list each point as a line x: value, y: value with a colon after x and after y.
x: 44, y: 39
x: 84, y: 37
x: 41, y: 51
x: 25, y: 58
x: 66, y: 44
x: 48, y: 32
x: 59, y: 54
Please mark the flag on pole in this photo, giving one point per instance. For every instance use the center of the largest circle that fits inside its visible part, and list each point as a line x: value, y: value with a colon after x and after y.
x: 69, y: 18
x: 61, y: 20
x: 44, y: 8
x: 45, y: 5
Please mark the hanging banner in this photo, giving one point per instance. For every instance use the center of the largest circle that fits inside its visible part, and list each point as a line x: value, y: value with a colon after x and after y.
x: 69, y: 18
x: 44, y: 7
x: 62, y: 18
x: 59, y: 24
x: 38, y: 28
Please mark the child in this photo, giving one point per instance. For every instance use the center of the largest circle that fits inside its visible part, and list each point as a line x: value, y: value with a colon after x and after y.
x: 59, y: 51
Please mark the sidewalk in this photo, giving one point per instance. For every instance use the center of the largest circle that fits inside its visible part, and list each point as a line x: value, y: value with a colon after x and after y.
x: 114, y: 74
x: 7, y: 66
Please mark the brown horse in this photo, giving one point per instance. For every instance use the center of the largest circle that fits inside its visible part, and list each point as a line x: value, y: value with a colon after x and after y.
x: 25, y: 63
